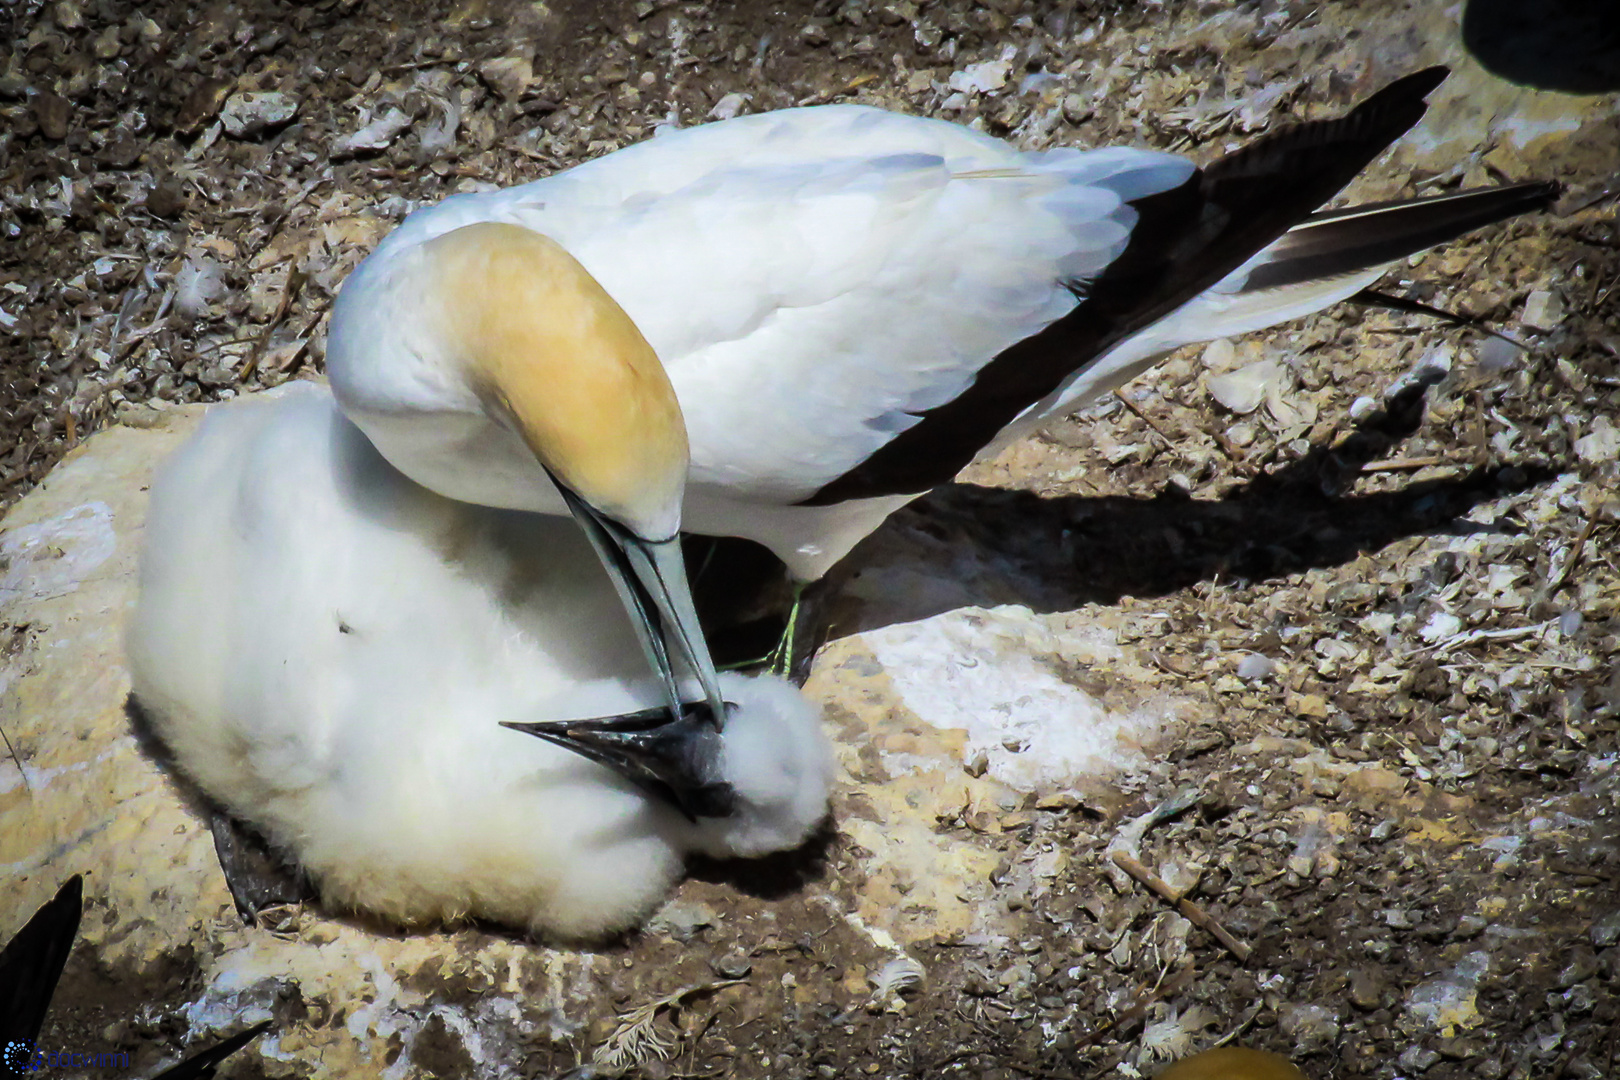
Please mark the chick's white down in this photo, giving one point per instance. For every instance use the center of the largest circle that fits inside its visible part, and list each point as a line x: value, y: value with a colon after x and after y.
x: 328, y: 649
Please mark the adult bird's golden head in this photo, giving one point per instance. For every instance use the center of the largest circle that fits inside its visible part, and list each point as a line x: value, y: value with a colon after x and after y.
x: 557, y: 359
x: 487, y: 363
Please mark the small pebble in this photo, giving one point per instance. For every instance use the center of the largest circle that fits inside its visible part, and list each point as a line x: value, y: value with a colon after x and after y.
x: 728, y: 107
x: 68, y: 15
x: 53, y: 112
x: 201, y: 105
x: 167, y: 199
x: 107, y: 44
x: 682, y: 919
x: 1366, y: 989
x: 119, y: 153
x: 984, y: 78
x: 1399, y: 919
x: 1606, y: 931
x: 735, y: 966
x: 1543, y: 310
x: 1582, y: 966
x: 1310, y: 1026
x: 251, y: 113
x: 1255, y: 666
x: 1417, y: 1058
x: 508, y: 76
x: 1496, y: 355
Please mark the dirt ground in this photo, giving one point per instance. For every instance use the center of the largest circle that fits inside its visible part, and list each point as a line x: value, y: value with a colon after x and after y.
x: 1406, y: 795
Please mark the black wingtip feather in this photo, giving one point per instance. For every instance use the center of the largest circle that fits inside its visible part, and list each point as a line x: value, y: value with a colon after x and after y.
x: 205, y: 1063
x: 31, y: 965
x: 1185, y: 240
x: 1316, y: 160
x: 32, y: 961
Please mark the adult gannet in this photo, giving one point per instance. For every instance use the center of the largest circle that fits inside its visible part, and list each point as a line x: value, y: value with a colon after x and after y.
x: 512, y: 369
x: 328, y: 649
x: 851, y: 304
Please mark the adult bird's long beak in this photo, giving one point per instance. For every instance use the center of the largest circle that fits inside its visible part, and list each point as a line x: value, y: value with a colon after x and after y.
x: 650, y: 576
x: 677, y: 760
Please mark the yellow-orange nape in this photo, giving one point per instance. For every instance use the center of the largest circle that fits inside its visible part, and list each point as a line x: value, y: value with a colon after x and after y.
x: 560, y: 361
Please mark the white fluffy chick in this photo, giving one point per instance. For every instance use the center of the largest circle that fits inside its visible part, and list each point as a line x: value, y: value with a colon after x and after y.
x: 328, y: 650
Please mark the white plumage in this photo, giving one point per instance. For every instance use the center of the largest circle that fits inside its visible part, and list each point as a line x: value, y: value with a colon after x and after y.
x: 328, y: 649
x: 816, y: 280
x: 810, y: 278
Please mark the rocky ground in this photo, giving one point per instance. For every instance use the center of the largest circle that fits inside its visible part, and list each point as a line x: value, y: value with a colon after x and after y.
x: 1364, y: 662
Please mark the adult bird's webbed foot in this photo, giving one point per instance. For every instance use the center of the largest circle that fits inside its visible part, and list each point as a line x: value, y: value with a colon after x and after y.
x: 678, y: 759
x: 258, y: 875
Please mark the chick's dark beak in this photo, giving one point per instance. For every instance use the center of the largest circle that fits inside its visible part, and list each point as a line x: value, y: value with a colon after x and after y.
x: 677, y: 760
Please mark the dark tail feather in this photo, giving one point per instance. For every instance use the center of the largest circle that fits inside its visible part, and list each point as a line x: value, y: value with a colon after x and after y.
x: 1338, y: 242
x: 31, y: 964
x: 1185, y: 240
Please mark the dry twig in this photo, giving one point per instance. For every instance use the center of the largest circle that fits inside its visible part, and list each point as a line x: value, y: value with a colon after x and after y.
x: 1170, y: 989
x: 1145, y: 418
x: 289, y: 293
x: 1468, y: 637
x: 1189, y: 910
x: 1574, y: 556
x: 824, y: 96
x: 1403, y: 464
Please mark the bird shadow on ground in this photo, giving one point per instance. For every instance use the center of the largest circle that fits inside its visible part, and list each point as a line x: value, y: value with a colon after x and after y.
x: 1056, y: 554
x: 771, y: 877
x: 965, y: 545
x: 1567, y: 45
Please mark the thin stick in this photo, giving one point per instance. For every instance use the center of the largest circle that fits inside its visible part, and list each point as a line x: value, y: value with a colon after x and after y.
x: 1574, y: 556
x: 1168, y: 666
x: 824, y: 96
x: 1189, y: 910
x: 1235, y: 1032
x: 289, y: 293
x: 1468, y: 637
x: 1179, y: 982
x: 1402, y: 464
x: 12, y: 750
x: 1146, y: 419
